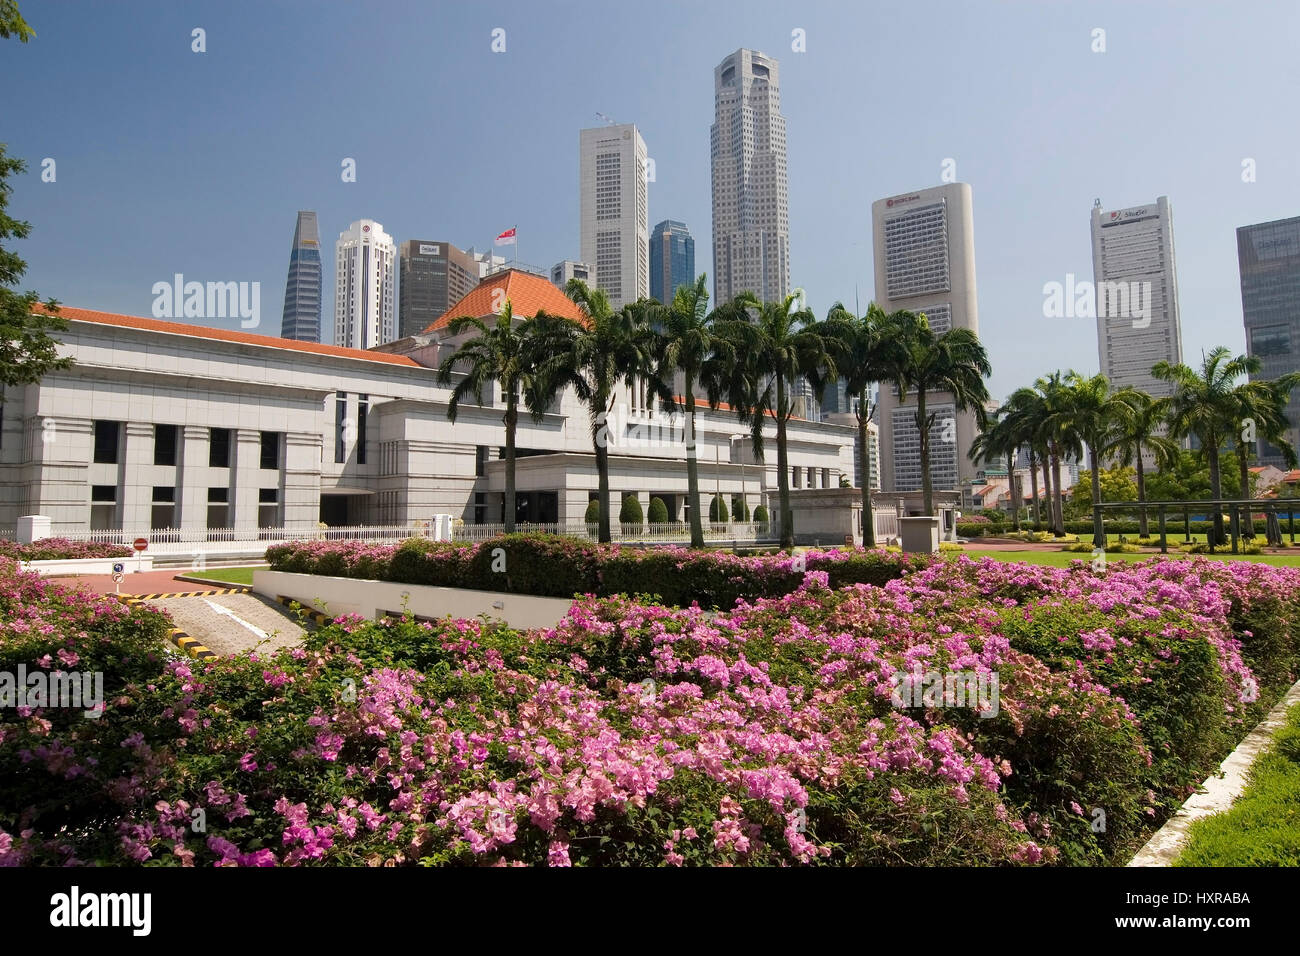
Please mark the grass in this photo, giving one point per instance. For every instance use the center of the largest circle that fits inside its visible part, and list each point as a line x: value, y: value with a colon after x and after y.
x: 1262, y: 828
x: 1061, y: 559
x: 239, y: 576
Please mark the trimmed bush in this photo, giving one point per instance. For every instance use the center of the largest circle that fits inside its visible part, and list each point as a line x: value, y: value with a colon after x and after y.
x: 540, y: 564
x: 658, y: 511
x: 61, y: 549
x: 593, y: 511
x: 631, y: 512
x: 740, y: 509
x: 718, y: 510
x: 760, y: 514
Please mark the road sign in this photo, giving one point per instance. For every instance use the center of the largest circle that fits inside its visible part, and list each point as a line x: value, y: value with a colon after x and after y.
x: 119, y: 567
x: 140, y: 544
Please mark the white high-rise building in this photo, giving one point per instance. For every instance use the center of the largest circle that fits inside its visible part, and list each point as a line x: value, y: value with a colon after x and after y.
x: 615, y: 211
x: 751, y: 204
x: 925, y: 262
x: 1137, y: 293
x: 365, y: 286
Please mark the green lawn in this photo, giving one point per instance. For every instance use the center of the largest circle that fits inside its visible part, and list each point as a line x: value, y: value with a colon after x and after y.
x: 1262, y: 828
x: 243, y: 577
x: 1062, y: 559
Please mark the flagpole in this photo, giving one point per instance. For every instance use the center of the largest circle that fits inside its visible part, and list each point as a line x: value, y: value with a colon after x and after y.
x: 516, y: 227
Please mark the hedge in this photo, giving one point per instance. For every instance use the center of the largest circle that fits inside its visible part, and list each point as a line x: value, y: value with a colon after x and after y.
x: 658, y: 511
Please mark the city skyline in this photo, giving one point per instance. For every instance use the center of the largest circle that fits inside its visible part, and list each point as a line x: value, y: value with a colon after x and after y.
x: 199, y: 188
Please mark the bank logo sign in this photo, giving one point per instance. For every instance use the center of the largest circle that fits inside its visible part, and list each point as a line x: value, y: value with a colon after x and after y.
x: 428, y: 250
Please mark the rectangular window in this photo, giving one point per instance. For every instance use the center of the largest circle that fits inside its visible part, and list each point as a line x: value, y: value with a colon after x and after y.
x: 218, y: 495
x: 480, y: 507
x: 363, y: 409
x: 163, y: 512
x: 103, y: 507
x: 219, y: 448
x: 480, y: 460
x: 102, y: 493
x: 340, y: 428
x: 268, y: 507
x: 270, y: 450
x: 268, y: 496
x: 164, y: 494
x: 164, y: 444
x: 106, y: 434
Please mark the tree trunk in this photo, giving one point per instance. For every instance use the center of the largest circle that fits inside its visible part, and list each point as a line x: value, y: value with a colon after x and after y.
x: 927, y: 490
x: 1047, y: 490
x: 1243, y: 463
x: 1011, y: 490
x: 1216, y: 492
x: 783, y: 470
x: 1033, y: 487
x: 1058, y: 506
x: 693, y: 469
x: 601, y: 444
x: 512, y: 422
x: 864, y: 442
x: 1142, y: 494
x: 1098, y: 527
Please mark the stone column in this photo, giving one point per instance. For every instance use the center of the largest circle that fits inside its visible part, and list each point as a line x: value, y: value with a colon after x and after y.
x: 302, y: 462
x: 244, y: 478
x: 136, y: 491
x: 192, y: 497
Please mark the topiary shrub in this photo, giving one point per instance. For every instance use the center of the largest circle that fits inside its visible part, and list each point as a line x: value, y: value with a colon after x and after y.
x: 740, y: 509
x: 631, y: 512
x: 760, y: 514
x: 658, y: 511
x: 718, y: 510
x: 593, y: 511
x: 541, y: 564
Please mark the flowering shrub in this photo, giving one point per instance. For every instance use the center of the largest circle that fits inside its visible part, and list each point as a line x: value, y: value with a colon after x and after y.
x: 636, y: 734
x: 57, y: 549
x: 562, y: 567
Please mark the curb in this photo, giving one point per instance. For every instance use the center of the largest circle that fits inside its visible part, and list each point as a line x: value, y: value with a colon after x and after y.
x: 188, y: 644
x: 1220, y: 791
x: 317, y: 618
x: 180, y: 594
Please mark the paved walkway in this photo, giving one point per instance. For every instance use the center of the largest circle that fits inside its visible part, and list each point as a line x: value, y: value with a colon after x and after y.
x: 230, y: 623
x: 145, y: 582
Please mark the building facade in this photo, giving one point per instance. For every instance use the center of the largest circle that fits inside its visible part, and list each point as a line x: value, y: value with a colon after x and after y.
x: 672, y: 259
x: 302, y: 288
x: 1268, y: 254
x: 567, y: 269
x: 161, y: 424
x: 365, y: 286
x: 1136, y: 288
x: 751, y: 204
x: 433, y: 277
x: 615, y: 206
x: 924, y: 243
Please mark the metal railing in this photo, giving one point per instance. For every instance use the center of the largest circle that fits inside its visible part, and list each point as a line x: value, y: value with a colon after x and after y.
x: 630, y: 533
x: 217, y: 540
x: 1240, y: 516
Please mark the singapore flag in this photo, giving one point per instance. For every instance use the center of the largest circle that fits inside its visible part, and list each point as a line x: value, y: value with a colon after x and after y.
x: 507, y: 238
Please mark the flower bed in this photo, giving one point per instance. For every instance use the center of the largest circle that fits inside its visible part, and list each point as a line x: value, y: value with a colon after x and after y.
x: 61, y: 549
x: 550, y: 566
x: 635, y: 734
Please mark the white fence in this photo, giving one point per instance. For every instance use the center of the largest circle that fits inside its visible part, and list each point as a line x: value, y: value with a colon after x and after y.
x: 886, y: 524
x: 631, y: 533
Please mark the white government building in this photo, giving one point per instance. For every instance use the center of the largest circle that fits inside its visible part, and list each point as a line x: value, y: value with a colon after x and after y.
x: 160, y: 424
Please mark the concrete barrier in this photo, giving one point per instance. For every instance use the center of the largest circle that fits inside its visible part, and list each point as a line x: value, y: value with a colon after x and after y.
x: 372, y: 599
x: 89, y: 566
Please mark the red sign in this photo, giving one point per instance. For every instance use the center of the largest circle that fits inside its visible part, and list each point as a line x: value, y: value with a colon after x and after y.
x: 140, y: 544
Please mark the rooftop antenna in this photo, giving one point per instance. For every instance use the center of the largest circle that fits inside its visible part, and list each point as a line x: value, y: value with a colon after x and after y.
x: 1097, y: 203
x: 608, y: 119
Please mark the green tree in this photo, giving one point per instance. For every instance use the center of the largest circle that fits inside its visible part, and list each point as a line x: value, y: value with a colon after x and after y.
x: 775, y: 345
x: 997, y: 439
x: 1187, y: 478
x: 1089, y: 415
x: 592, y: 515
x: 658, y: 513
x: 954, y: 362
x: 718, y: 510
x: 1141, y: 429
x: 761, y: 515
x: 509, y: 353
x: 1260, y: 410
x: 12, y: 23
x: 1203, y: 404
x: 1057, y: 441
x: 631, y: 512
x: 610, y: 349
x: 1117, y: 484
x: 867, y: 357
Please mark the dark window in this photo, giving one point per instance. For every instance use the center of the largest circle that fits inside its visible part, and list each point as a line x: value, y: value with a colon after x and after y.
x: 480, y: 507
x: 270, y: 449
x: 106, y: 443
x: 164, y: 494
x: 164, y: 444
x: 363, y: 409
x: 340, y: 428
x: 103, y: 493
x: 218, y: 495
x: 480, y: 460
x: 219, y: 448
x: 268, y: 496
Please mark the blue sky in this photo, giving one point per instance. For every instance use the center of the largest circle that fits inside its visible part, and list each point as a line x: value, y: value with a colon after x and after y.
x: 173, y: 161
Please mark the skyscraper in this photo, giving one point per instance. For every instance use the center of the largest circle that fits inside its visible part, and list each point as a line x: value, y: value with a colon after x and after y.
x: 1136, y: 293
x: 751, y: 205
x: 925, y: 262
x: 434, y: 277
x: 615, y: 210
x: 567, y: 269
x: 365, y: 313
x: 302, y: 288
x: 1268, y: 254
x: 672, y: 259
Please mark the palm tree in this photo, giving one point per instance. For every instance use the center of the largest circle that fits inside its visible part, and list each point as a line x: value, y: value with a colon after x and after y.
x: 997, y: 438
x: 1089, y: 415
x: 612, y: 348
x: 775, y: 345
x: 1140, y: 429
x: 954, y: 362
x: 1057, y: 441
x: 1260, y: 410
x: 688, y: 343
x: 1024, y: 412
x: 509, y: 354
x: 864, y: 362
x: 1202, y: 404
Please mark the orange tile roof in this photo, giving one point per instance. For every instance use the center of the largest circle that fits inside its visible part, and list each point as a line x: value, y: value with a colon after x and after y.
x: 1292, y: 475
x: 527, y: 294
x: 223, y: 335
